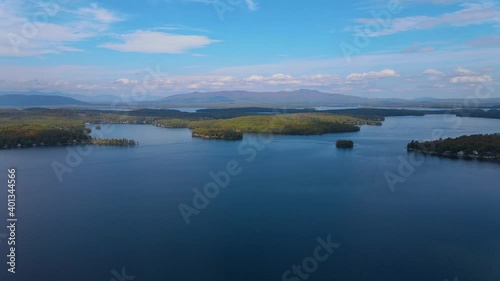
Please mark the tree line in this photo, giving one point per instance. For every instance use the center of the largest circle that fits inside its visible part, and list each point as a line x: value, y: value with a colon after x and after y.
x: 473, y: 146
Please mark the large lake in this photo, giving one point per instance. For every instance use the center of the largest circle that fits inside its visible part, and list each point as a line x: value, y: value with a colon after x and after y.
x: 119, y: 208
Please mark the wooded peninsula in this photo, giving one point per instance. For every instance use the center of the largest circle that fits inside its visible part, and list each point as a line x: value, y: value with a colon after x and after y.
x: 483, y: 147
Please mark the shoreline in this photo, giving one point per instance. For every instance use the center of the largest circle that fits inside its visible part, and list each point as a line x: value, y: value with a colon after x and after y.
x: 457, y: 156
x: 105, y: 143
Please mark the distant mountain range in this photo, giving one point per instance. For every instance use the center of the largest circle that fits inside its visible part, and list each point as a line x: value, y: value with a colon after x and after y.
x: 95, y: 99
x: 38, y: 100
x: 299, y: 98
x: 294, y: 98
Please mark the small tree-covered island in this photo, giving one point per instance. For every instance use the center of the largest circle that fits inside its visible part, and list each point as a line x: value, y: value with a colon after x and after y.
x: 345, y: 144
x: 221, y: 134
x: 113, y: 142
x: 483, y: 147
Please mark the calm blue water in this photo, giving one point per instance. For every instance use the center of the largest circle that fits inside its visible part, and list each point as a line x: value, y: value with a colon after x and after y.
x: 119, y: 208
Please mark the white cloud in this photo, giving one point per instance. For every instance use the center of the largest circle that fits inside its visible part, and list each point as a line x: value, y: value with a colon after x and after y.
x: 281, y: 76
x: 89, y: 87
x: 126, y: 81
x: 282, y: 79
x: 471, y: 79
x: 255, y: 78
x: 143, y: 41
x: 458, y: 75
x: 323, y: 76
x: 226, y: 79
x: 99, y: 14
x: 386, y: 73
x: 431, y: 71
x: 321, y: 80
x: 463, y: 71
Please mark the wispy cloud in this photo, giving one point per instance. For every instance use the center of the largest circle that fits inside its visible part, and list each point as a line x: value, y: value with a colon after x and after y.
x: 144, y: 41
x: 100, y: 14
x: 417, y: 48
x: 469, y: 14
x: 431, y: 71
x: 464, y: 71
x: 38, y: 31
x: 471, y: 79
x: 485, y: 41
x: 251, y: 4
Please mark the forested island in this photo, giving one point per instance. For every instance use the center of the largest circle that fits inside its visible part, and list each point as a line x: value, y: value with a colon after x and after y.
x: 345, y: 144
x: 114, y: 142
x: 284, y: 124
x: 220, y: 134
x: 483, y: 147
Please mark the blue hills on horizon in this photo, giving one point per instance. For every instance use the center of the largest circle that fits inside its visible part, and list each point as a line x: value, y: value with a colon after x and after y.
x: 296, y: 98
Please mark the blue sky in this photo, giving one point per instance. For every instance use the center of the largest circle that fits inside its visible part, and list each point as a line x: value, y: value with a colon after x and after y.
x: 371, y: 48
